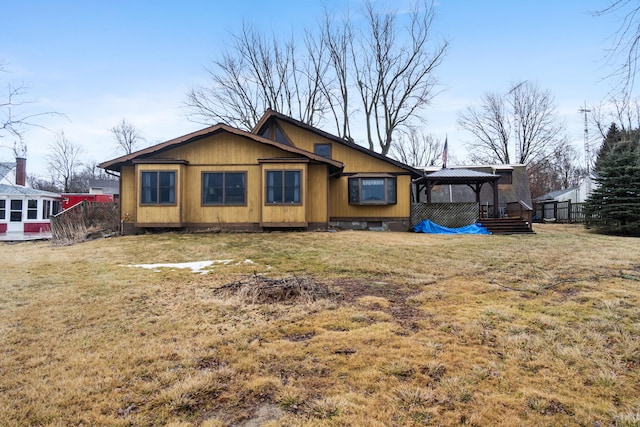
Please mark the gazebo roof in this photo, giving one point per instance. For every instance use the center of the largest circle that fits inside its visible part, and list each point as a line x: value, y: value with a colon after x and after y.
x: 457, y: 176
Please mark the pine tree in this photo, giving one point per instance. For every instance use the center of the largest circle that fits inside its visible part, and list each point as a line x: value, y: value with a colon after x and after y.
x: 614, y: 206
x: 614, y: 135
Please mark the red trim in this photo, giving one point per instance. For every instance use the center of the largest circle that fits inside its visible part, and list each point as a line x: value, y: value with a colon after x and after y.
x: 36, y: 227
x: 3, y: 228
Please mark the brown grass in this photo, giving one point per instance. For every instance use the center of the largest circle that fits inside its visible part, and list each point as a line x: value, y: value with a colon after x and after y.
x: 417, y: 329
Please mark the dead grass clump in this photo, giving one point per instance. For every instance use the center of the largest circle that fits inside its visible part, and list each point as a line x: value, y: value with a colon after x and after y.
x: 258, y: 289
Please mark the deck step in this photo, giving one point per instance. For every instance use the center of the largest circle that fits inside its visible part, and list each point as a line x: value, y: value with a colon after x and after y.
x: 506, y: 226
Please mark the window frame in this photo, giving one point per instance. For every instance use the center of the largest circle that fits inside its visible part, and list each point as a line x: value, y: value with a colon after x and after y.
x: 355, y: 191
x: 276, y: 133
x: 13, y: 210
x: 327, y: 145
x: 506, y: 176
x: 224, y: 188
x: 32, y: 211
x: 158, y: 188
x: 46, y: 209
x: 3, y: 209
x: 284, y: 187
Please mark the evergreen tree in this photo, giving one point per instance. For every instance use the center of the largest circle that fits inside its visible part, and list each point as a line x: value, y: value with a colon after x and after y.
x: 614, y: 135
x: 614, y: 206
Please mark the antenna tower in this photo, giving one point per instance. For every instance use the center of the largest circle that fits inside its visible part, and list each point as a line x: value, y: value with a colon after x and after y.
x: 587, y: 149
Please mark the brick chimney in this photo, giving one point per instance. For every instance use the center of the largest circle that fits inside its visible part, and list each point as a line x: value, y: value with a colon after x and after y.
x: 21, y: 171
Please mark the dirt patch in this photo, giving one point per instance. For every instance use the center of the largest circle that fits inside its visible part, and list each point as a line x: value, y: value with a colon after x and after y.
x: 259, y: 289
x: 264, y: 413
x: 397, y: 296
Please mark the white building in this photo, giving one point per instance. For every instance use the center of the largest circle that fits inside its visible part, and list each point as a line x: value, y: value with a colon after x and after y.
x: 24, y: 211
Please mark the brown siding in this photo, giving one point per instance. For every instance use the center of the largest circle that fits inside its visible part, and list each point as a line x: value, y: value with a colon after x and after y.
x: 128, y: 195
x: 355, y: 162
x: 340, y: 207
x: 317, y: 198
x: 223, y: 149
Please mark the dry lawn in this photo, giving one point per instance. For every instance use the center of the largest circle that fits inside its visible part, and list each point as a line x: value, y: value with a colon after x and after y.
x: 415, y: 330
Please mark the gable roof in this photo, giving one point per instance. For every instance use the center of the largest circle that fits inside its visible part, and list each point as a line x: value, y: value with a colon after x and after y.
x: 5, y: 168
x: 117, y: 163
x: 270, y: 115
x: 19, y: 190
x: 557, y: 193
x: 457, y: 176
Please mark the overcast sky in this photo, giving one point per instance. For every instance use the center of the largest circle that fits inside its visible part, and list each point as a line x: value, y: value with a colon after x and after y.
x: 100, y: 62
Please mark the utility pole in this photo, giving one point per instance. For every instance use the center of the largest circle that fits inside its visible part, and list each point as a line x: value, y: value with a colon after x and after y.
x: 516, y: 113
x: 587, y: 150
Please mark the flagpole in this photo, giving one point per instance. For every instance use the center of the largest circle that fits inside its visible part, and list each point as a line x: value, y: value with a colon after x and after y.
x: 445, y: 151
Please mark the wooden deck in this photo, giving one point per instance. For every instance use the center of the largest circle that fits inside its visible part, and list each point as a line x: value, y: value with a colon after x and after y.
x: 22, y: 237
x: 507, y: 225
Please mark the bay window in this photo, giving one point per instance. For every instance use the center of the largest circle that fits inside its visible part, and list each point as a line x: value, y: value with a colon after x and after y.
x: 372, y: 190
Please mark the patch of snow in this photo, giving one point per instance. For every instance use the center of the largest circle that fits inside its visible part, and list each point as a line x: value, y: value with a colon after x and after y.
x: 196, y: 266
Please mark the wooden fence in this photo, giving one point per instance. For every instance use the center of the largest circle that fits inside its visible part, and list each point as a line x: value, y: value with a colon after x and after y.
x: 566, y: 211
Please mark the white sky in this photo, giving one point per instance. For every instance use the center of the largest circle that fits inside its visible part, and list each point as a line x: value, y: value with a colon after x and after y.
x: 100, y: 62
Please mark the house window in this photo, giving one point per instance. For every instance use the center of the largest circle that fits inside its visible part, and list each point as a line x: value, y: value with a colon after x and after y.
x: 46, y: 209
x: 283, y: 186
x: 275, y: 133
x: 3, y: 209
x: 158, y: 188
x: 32, y: 209
x: 372, y: 191
x: 323, y: 150
x: 16, y: 211
x: 505, y: 176
x: 223, y: 188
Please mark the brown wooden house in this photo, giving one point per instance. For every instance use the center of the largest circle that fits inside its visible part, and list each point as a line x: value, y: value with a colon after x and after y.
x: 283, y: 174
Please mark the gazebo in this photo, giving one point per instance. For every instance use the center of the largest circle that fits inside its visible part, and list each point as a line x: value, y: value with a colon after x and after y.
x: 473, y: 179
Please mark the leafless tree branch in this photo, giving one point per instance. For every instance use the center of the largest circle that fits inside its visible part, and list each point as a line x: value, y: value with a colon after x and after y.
x: 127, y: 136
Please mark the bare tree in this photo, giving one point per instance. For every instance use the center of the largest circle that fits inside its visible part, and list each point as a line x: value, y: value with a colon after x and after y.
x: 525, y: 118
x: 255, y: 74
x: 490, y: 126
x: 44, y: 184
x: 337, y: 40
x: 13, y: 123
x: 559, y: 171
x: 85, y: 173
x: 127, y: 136
x: 537, y: 126
x: 389, y: 68
x: 64, y: 161
x: 395, y: 79
x: 625, y: 48
x: 417, y: 149
x: 624, y: 112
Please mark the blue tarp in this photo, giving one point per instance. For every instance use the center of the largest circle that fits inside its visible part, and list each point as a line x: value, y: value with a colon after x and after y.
x: 430, y: 227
